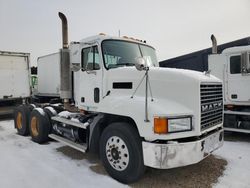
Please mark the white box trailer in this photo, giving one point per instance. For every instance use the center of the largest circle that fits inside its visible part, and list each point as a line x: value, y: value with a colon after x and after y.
x: 14, y: 78
x: 48, y: 75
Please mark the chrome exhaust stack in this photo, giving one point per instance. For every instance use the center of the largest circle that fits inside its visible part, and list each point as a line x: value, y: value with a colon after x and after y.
x: 65, y: 42
x: 65, y: 72
x: 214, y: 44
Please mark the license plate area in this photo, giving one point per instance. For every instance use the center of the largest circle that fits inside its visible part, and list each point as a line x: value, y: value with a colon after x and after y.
x: 211, y: 143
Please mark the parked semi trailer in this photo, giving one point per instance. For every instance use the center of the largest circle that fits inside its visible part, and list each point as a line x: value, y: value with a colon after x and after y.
x: 14, y: 80
x: 116, y: 101
x: 232, y: 66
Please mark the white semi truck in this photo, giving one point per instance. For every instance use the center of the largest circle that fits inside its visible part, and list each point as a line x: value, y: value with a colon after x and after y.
x: 118, y: 102
x: 232, y: 66
x: 14, y: 80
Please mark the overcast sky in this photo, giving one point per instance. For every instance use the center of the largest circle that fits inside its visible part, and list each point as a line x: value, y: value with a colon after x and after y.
x: 173, y: 27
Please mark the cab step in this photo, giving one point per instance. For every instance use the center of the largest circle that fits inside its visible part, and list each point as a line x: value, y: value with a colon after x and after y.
x: 80, y: 147
x: 70, y: 122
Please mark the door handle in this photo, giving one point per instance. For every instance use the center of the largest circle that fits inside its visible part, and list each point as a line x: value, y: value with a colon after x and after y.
x: 96, y: 95
x: 91, y: 72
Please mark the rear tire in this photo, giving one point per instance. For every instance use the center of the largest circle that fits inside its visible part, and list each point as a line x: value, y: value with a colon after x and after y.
x: 21, y: 119
x: 39, y: 126
x: 121, y: 152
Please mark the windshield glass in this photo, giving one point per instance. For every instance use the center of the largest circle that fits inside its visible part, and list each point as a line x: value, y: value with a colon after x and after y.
x: 122, y: 53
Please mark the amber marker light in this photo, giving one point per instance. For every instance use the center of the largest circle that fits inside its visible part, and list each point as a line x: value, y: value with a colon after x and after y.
x: 160, y: 125
x: 230, y: 107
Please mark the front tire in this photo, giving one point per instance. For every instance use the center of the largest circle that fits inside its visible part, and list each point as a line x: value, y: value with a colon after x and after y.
x: 121, y: 152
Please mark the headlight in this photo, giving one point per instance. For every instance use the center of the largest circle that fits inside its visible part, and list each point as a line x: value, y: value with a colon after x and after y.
x: 180, y: 124
x: 163, y: 125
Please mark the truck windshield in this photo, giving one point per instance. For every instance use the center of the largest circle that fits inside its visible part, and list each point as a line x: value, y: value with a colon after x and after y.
x: 119, y: 53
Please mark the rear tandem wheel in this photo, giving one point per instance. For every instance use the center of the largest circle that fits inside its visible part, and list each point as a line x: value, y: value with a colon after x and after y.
x: 21, y: 119
x: 39, y: 126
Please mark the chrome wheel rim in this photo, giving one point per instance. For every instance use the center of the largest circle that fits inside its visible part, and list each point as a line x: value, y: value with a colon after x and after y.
x: 117, y: 153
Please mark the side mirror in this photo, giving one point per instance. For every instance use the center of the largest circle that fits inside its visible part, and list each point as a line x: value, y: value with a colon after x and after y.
x: 245, y: 64
x: 75, y: 67
x: 140, y: 63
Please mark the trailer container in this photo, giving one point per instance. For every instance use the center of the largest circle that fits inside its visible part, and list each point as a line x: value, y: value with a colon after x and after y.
x: 14, y: 80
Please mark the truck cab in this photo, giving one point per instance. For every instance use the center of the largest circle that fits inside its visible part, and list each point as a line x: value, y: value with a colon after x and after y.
x: 236, y: 69
x: 96, y: 58
x: 233, y: 67
x: 107, y: 81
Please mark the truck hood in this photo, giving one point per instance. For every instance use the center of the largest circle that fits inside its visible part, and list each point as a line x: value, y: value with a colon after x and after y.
x: 160, y: 74
x: 175, y: 93
x: 173, y: 90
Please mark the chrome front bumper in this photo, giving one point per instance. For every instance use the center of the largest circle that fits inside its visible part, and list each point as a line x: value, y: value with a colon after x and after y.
x: 165, y: 156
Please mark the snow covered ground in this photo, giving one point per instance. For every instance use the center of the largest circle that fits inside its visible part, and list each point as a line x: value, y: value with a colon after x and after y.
x: 25, y: 164
x: 237, y: 173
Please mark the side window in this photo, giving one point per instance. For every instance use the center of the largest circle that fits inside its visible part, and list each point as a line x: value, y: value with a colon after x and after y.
x: 90, y: 58
x: 245, y: 64
x: 235, y: 64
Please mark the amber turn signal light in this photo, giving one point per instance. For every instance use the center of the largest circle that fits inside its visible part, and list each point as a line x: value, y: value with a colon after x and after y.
x: 160, y: 125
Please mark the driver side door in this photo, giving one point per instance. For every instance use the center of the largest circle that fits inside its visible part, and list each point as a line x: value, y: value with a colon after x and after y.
x: 90, y: 78
x: 238, y: 81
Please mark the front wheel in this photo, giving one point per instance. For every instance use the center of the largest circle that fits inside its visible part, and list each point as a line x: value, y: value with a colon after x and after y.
x: 121, y: 152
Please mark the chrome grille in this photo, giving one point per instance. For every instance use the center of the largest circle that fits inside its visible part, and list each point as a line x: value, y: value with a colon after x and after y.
x: 211, y: 105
